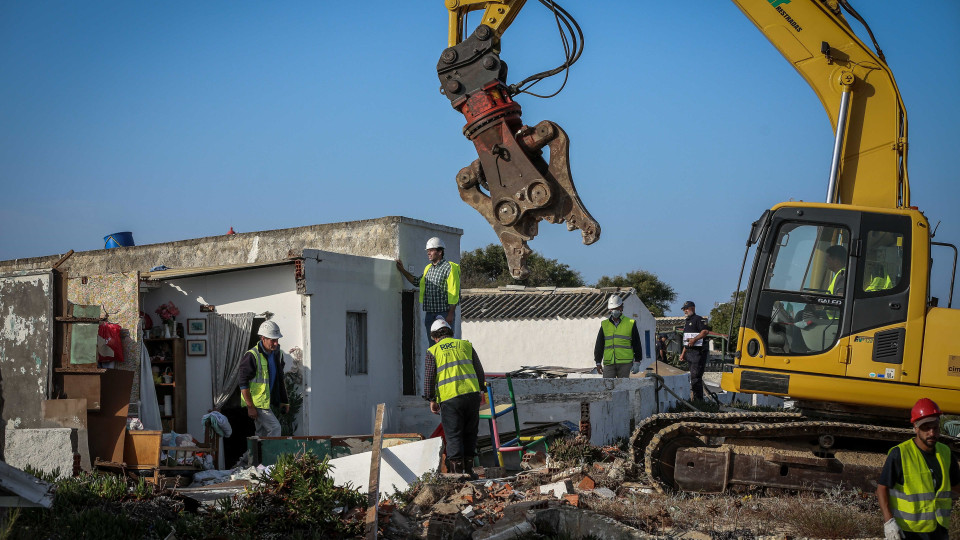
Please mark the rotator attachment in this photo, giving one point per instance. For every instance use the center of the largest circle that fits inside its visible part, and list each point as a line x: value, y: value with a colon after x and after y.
x: 523, y: 188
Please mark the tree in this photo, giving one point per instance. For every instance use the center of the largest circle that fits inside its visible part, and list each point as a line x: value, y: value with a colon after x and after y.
x: 720, y: 318
x: 487, y: 267
x: 656, y: 294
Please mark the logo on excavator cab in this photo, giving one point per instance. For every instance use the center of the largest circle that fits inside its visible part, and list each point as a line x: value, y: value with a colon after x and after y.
x: 953, y: 366
x: 776, y: 5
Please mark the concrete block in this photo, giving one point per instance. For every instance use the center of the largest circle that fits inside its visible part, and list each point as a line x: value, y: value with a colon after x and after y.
x: 571, y: 522
x: 46, y: 449
x: 557, y: 489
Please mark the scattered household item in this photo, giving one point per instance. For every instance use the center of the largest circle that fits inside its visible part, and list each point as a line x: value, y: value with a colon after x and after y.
x: 168, y: 405
x: 159, y: 268
x: 118, y: 239
x: 168, y: 376
x: 518, y: 443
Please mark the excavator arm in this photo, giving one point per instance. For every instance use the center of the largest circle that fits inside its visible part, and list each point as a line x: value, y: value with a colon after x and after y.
x: 855, y: 87
x: 510, y: 184
x: 514, y: 188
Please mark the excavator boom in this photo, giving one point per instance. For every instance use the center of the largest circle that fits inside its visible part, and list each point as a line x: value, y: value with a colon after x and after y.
x: 814, y: 36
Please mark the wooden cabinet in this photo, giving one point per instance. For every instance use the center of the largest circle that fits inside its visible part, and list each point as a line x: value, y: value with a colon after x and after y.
x: 167, y: 354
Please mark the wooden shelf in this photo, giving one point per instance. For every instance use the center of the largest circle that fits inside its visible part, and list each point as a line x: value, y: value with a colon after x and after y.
x: 178, y: 388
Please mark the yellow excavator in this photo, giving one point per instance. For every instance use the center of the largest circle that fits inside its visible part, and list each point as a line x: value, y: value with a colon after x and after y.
x: 838, y: 314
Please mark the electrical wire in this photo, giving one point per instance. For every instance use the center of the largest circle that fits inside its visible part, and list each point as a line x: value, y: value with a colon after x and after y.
x: 572, y: 38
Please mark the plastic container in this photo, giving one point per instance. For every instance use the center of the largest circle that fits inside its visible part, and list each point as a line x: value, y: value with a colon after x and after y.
x: 118, y: 239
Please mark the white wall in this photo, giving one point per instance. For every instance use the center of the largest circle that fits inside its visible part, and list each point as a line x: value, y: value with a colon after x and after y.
x: 337, y: 404
x: 506, y: 345
x: 255, y: 290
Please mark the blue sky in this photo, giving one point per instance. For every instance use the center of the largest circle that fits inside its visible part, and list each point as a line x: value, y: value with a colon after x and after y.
x: 178, y: 120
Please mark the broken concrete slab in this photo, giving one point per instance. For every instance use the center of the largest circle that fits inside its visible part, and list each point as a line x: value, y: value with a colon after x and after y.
x: 557, y: 489
x: 505, y: 529
x: 570, y: 522
x: 46, y: 449
x: 605, y: 493
x: 399, y: 466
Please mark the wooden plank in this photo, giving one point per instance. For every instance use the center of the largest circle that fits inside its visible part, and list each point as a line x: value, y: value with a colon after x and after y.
x: 373, y: 493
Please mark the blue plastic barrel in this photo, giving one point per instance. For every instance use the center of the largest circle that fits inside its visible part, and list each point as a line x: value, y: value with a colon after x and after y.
x: 118, y: 239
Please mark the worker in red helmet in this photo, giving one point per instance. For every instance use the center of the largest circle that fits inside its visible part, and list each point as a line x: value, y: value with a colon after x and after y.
x: 914, y: 489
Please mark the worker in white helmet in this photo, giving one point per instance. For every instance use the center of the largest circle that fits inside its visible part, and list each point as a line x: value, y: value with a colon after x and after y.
x: 439, y: 285
x: 618, y: 342
x: 454, y: 385
x: 261, y: 381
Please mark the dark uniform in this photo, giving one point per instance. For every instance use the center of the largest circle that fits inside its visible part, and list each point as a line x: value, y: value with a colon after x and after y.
x: 696, y: 354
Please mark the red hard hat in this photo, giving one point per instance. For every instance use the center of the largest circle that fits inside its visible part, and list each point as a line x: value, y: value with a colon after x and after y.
x: 922, y: 409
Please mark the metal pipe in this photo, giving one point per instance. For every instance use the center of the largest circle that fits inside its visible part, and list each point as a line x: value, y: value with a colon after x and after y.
x: 838, y: 145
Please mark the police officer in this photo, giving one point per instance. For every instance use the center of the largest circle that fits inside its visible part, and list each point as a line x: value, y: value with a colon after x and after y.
x: 916, y: 481
x: 694, y: 348
x: 618, y: 343
x: 453, y: 379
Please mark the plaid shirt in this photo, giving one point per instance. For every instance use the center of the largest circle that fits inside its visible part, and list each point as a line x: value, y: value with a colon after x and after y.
x: 435, y: 288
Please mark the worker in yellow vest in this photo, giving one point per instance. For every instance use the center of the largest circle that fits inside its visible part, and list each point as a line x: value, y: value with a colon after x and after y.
x: 837, y: 263
x: 261, y: 381
x: 618, y: 343
x: 453, y: 384
x: 439, y: 285
x: 914, y: 489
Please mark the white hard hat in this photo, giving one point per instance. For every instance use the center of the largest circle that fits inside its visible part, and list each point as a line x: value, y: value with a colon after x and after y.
x: 435, y: 243
x: 269, y: 329
x: 614, y: 302
x: 438, y: 324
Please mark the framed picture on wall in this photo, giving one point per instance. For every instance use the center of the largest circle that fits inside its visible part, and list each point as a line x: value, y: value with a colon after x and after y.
x: 197, y: 327
x: 196, y: 347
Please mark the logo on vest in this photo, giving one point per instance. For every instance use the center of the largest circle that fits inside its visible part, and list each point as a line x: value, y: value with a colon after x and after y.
x: 447, y: 346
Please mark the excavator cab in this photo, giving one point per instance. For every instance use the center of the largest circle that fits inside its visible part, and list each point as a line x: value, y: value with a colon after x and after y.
x: 831, y: 292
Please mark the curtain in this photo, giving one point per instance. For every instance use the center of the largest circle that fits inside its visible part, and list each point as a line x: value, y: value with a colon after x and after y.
x: 229, y: 335
x: 149, y: 406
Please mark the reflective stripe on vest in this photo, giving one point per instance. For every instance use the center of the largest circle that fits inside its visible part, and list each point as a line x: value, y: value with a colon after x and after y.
x: 455, y: 373
x: 260, y: 384
x: 617, y: 346
x: 917, y: 504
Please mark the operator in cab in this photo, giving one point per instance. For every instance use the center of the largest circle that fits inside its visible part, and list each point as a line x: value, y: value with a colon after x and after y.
x: 694, y: 348
x: 915, y: 486
x: 837, y: 263
x: 617, y: 349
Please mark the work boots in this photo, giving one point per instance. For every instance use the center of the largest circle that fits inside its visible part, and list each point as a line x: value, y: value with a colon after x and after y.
x: 468, y: 468
x: 454, y: 466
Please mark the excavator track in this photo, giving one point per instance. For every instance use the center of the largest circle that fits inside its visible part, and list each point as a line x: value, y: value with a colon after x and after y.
x: 648, y: 428
x: 704, y: 452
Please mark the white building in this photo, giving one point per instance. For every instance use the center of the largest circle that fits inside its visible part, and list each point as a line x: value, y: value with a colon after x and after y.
x: 513, y: 327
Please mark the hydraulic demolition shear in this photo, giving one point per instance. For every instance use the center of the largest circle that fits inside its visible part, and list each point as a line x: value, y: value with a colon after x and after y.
x: 523, y: 188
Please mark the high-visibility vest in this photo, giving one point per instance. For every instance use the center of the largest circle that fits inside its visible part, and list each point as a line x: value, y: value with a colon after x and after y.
x: 917, y: 504
x: 617, y: 346
x: 833, y: 282
x: 455, y: 373
x: 879, y: 283
x: 260, y: 384
x: 453, y: 283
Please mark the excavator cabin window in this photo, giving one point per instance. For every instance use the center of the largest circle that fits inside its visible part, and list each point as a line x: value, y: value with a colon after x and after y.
x: 801, y: 303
